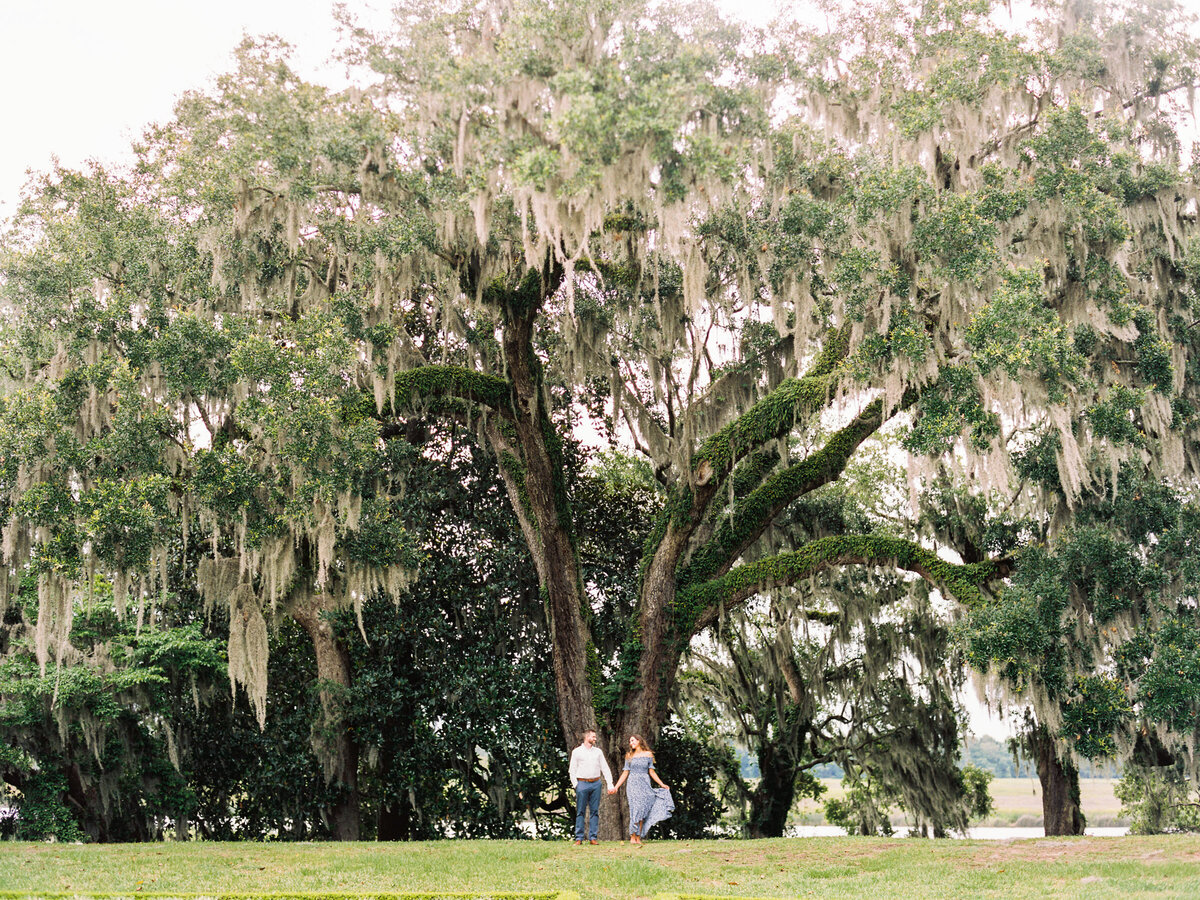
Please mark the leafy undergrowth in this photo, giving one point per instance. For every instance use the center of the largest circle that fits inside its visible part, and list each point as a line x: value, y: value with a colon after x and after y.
x: 1167, y: 866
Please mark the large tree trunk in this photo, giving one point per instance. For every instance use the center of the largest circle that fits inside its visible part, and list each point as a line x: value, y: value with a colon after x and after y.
x: 532, y: 467
x: 394, y: 822
x: 642, y: 707
x: 772, y: 798
x: 398, y: 819
x: 331, y: 736
x: 86, y: 802
x: 1060, y: 786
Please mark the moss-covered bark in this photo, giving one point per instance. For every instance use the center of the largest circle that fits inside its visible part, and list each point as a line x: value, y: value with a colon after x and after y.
x: 455, y: 382
x: 964, y: 582
x: 751, y: 516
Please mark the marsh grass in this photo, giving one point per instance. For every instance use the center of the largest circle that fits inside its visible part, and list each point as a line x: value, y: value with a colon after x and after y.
x: 807, y: 867
x: 1017, y: 801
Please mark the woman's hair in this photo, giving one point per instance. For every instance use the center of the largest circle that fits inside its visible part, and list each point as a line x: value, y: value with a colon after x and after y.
x: 641, y: 745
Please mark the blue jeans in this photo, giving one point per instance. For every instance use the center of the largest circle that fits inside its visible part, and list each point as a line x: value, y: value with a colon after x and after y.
x: 587, y: 796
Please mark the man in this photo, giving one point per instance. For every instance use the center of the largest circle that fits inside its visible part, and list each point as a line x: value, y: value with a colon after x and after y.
x: 588, y: 765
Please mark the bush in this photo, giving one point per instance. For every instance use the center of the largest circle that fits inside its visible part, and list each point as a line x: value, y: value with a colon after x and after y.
x: 1155, y: 799
x: 864, y: 809
x: 43, y: 814
x: 690, y: 766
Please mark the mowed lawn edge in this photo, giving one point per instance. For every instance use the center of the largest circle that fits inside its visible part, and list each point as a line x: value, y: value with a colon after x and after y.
x: 838, y: 867
x: 285, y: 895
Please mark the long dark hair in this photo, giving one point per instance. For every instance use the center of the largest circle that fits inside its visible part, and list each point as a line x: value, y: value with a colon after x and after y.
x: 641, y: 745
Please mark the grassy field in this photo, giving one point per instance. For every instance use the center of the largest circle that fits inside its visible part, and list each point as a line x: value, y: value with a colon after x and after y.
x: 813, y: 867
x: 1018, y: 801
x: 1021, y: 798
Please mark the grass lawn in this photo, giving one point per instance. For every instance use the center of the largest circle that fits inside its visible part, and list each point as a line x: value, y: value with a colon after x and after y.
x: 805, y: 867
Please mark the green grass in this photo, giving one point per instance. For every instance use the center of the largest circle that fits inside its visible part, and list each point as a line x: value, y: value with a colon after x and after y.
x: 813, y: 867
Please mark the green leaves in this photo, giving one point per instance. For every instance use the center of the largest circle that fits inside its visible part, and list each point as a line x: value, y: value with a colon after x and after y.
x: 126, y: 520
x: 1115, y: 417
x: 1101, y: 622
x: 947, y: 409
x: 959, y: 236
x: 1017, y: 636
x: 1097, y: 709
x: 1168, y: 689
x: 1018, y: 330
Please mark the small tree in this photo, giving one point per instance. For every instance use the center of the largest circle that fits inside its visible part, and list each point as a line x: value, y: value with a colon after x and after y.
x: 1157, y: 800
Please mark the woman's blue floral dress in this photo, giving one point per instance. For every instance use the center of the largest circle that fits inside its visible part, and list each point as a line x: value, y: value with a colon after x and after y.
x: 647, y: 804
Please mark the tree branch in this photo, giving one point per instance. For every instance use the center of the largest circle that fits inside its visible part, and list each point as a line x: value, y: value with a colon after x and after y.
x: 700, y: 604
x: 453, y: 381
x: 754, y: 514
x: 773, y: 416
x: 770, y: 418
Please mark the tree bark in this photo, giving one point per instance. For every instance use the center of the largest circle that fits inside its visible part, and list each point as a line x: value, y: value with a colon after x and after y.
x: 332, y: 742
x: 641, y: 707
x: 394, y: 822
x: 614, y: 810
x: 1060, y: 786
x: 87, y: 802
x: 771, y: 800
x: 534, y: 477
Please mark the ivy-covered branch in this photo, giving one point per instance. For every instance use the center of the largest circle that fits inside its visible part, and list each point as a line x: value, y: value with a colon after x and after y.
x: 415, y: 385
x: 769, y: 419
x: 751, y: 516
x: 697, y: 605
x: 774, y: 415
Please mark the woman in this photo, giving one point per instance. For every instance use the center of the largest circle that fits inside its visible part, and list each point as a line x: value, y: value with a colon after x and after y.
x: 646, y: 805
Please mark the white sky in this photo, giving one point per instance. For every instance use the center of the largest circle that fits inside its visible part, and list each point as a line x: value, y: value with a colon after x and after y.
x: 81, y: 79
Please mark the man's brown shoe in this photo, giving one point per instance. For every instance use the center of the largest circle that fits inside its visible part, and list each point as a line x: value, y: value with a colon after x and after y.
x: 577, y: 843
x: 593, y: 842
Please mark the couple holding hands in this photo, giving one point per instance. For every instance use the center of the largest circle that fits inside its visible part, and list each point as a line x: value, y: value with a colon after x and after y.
x: 647, y: 805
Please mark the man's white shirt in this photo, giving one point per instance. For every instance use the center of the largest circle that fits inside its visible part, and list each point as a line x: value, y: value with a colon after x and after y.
x: 589, y: 762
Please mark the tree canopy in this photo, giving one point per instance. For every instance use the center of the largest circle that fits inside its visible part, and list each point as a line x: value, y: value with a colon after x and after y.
x: 749, y: 252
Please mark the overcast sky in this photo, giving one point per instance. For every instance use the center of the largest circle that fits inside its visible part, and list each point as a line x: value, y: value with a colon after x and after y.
x: 82, y: 78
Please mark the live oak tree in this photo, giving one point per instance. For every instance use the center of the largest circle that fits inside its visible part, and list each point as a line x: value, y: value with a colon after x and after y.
x: 145, y: 408
x: 1096, y: 635
x: 799, y: 700
x: 912, y: 217
x: 982, y: 232
x: 97, y: 749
